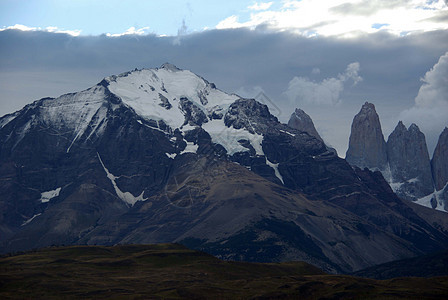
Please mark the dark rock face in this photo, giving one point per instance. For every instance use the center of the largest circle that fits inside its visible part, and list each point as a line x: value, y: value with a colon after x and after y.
x: 408, y: 169
x: 112, y: 176
x: 249, y: 114
x: 409, y: 162
x: 367, y: 148
x: 439, y: 162
x: 442, y: 197
x: 193, y: 114
x: 300, y: 120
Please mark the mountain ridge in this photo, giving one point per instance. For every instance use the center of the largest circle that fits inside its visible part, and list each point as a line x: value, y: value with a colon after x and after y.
x: 106, y: 168
x: 407, y: 166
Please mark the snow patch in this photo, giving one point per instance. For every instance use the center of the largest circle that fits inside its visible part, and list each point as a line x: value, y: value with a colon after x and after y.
x: 395, y: 186
x: 229, y: 137
x: 437, y: 195
x: 30, y: 219
x: 284, y: 131
x: 47, y: 196
x: 276, y: 171
x: 413, y: 180
x: 188, y: 127
x: 191, y: 148
x: 171, y: 155
x: 125, y: 196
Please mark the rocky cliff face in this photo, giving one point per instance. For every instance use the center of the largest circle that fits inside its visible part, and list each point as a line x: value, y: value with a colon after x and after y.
x: 408, y: 169
x: 300, y: 120
x: 439, y: 161
x: 409, y: 163
x: 161, y: 155
x: 367, y: 148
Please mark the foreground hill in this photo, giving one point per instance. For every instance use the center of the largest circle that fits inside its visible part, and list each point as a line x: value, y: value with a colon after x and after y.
x: 171, y: 271
x: 423, y: 266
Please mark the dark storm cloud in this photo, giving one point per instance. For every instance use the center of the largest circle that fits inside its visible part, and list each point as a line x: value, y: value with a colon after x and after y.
x: 37, y: 64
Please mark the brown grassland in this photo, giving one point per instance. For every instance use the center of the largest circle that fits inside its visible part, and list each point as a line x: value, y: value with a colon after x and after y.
x: 171, y: 271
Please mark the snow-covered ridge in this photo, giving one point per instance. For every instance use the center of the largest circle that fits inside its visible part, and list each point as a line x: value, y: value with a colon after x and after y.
x: 77, y: 112
x: 71, y: 115
x: 156, y: 93
x: 178, y: 98
x: 7, y: 118
x: 160, y: 94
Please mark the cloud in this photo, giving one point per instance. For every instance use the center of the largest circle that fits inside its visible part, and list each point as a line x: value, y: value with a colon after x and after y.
x: 430, y: 111
x: 182, y: 31
x: 303, y: 90
x: 345, y: 18
x: 36, y: 64
x: 131, y: 31
x: 260, y: 6
x: 52, y: 29
x: 249, y: 91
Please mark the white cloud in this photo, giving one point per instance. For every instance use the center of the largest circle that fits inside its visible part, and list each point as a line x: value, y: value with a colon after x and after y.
x: 249, y: 92
x: 229, y: 23
x: 182, y: 31
x: 260, y: 6
x: 430, y: 111
x: 347, y: 18
x: 47, y: 29
x: 130, y: 31
x: 327, y: 92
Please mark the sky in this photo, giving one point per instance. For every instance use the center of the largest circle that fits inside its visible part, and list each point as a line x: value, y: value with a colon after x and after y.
x: 326, y: 57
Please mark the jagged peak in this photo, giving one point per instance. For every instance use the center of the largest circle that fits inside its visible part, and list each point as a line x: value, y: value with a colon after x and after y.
x: 170, y: 67
x: 400, y: 126
x: 444, y: 133
x: 368, y: 107
x: 300, y: 112
x: 414, y: 127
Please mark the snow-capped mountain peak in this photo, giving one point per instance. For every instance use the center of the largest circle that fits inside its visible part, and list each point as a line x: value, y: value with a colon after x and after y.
x: 160, y: 94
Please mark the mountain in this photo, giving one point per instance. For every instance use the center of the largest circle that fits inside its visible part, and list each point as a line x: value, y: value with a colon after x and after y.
x: 367, y: 148
x: 171, y: 271
x: 300, y: 120
x: 410, y: 167
x: 439, y: 161
x: 162, y: 155
x: 404, y: 161
x: 439, y: 166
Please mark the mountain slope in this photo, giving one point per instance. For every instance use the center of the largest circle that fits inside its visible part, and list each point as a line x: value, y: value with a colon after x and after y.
x: 161, y: 155
x: 431, y: 265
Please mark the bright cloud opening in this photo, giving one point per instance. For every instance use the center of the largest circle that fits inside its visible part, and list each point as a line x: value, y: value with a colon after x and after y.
x: 346, y: 18
x: 52, y: 29
x: 260, y: 6
x: 131, y: 31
